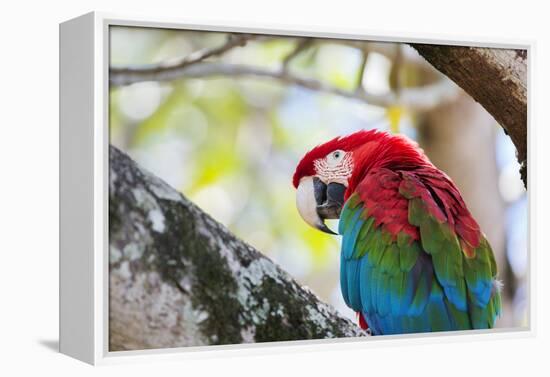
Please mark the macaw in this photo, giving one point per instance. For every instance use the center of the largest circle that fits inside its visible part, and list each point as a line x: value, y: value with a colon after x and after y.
x: 412, y: 259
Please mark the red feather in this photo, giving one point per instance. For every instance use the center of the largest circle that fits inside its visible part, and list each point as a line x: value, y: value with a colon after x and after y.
x: 377, y: 199
x: 388, y: 171
x: 362, y: 322
x: 346, y: 143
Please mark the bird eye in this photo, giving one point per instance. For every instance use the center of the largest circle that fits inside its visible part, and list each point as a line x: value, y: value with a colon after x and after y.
x: 337, y: 154
x: 334, y: 158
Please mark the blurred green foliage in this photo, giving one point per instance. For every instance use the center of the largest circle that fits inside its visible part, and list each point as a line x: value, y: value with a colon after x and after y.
x: 231, y: 145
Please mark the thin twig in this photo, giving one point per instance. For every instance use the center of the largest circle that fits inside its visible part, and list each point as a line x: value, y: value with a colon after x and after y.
x: 361, y: 72
x: 301, y: 45
x: 234, y: 40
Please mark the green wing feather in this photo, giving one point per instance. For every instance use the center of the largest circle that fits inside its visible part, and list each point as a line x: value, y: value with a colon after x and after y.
x: 402, y: 281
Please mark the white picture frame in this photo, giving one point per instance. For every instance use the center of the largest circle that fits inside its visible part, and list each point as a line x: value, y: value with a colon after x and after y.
x: 84, y: 44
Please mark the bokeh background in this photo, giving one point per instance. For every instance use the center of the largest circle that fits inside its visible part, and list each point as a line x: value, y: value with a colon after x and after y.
x: 231, y: 143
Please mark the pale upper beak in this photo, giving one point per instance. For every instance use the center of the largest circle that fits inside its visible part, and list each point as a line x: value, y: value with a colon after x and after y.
x: 317, y: 201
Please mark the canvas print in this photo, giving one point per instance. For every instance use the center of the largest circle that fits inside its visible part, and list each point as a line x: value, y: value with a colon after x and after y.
x: 268, y: 188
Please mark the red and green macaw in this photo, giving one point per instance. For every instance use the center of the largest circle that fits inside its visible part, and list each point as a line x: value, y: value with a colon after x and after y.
x: 412, y: 258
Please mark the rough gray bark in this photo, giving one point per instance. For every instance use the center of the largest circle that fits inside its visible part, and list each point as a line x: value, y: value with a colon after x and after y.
x: 496, y: 78
x: 179, y: 278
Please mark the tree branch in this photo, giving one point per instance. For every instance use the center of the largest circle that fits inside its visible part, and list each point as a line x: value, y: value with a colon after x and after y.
x: 178, y: 278
x: 420, y: 98
x: 301, y: 45
x: 194, y: 66
x: 233, y: 40
x: 496, y: 78
x: 361, y: 72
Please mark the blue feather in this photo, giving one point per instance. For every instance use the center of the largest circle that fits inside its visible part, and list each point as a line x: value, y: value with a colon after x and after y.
x: 350, y: 232
x: 353, y: 278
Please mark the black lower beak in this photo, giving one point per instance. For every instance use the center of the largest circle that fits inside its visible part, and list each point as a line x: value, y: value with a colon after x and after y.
x: 329, y: 199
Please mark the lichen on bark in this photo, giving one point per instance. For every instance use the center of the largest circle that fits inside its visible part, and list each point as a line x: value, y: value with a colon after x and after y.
x: 178, y: 278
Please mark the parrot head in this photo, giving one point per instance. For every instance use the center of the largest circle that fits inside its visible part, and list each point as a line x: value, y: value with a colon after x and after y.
x: 328, y: 174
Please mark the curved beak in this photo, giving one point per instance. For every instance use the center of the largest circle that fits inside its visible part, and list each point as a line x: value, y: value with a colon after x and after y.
x: 317, y: 201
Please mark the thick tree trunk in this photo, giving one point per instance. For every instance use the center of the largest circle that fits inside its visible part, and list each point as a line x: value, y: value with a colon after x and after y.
x: 178, y: 278
x: 496, y: 78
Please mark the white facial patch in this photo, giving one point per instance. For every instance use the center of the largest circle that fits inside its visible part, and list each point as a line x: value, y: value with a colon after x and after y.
x: 335, y: 167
